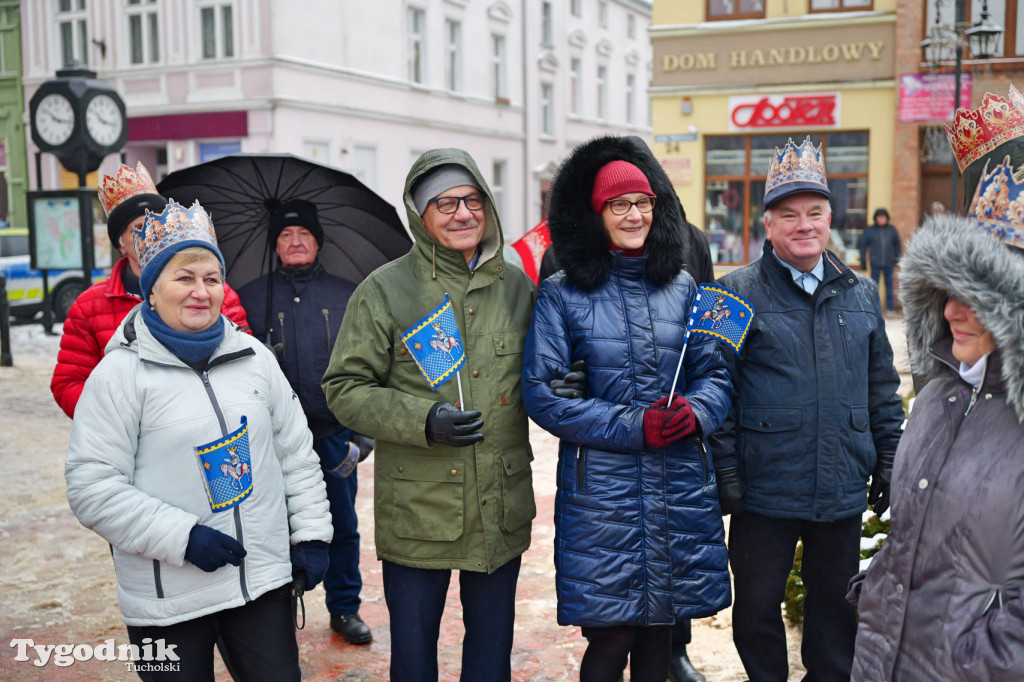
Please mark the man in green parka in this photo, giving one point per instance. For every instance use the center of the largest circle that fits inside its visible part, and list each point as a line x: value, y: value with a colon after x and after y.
x: 452, y: 487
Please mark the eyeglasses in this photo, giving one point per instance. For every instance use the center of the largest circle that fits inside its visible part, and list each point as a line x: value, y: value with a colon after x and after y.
x: 623, y: 206
x: 449, y: 205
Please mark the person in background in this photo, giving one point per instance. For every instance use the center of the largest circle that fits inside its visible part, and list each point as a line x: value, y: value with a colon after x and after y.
x: 98, y: 312
x: 305, y: 312
x: 880, y: 246
x: 639, y: 542
x: 815, y: 413
x: 944, y: 598
x: 190, y: 456
x: 453, y: 487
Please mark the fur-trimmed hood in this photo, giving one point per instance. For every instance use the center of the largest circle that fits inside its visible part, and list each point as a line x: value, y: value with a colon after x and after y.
x: 949, y: 256
x: 577, y: 232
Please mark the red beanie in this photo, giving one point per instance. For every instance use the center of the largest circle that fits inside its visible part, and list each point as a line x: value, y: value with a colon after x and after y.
x: 615, y: 179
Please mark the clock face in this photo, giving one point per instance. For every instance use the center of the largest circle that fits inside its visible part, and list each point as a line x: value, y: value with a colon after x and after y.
x: 55, y: 119
x: 103, y: 120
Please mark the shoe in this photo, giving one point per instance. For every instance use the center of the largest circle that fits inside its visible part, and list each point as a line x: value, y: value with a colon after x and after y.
x: 352, y: 628
x: 681, y: 670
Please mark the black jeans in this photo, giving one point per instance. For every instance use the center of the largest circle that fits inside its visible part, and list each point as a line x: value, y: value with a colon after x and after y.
x: 258, y: 636
x: 761, y: 554
x: 648, y: 649
x: 416, y: 598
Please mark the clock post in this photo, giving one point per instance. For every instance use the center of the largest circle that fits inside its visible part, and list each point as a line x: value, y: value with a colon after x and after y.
x: 80, y: 120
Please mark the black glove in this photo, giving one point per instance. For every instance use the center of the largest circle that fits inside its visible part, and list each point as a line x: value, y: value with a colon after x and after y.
x: 730, y: 490
x: 309, y: 563
x: 209, y: 549
x: 365, y: 445
x: 573, y: 384
x: 878, y: 494
x: 448, y: 425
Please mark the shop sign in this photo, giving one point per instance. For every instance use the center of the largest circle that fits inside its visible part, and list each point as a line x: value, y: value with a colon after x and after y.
x: 784, y: 111
x: 929, y: 96
x: 679, y: 170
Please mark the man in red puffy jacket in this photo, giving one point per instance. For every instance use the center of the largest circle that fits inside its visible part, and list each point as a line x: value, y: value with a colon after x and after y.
x: 98, y: 312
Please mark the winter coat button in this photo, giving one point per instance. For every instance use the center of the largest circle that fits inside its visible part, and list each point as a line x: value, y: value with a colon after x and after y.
x: 402, y: 351
x: 501, y: 344
x: 476, y: 373
x: 952, y: 398
x: 401, y: 469
x: 455, y: 472
x: 471, y: 311
x: 296, y: 299
x: 899, y: 588
x: 483, y: 503
x: 923, y: 483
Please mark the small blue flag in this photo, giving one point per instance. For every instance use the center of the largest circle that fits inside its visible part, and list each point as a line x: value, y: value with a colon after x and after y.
x: 226, y: 468
x: 435, y: 344
x: 720, y: 313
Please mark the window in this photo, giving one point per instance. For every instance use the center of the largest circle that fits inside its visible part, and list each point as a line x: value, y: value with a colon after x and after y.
x: 575, y: 85
x: 735, y: 172
x: 499, y: 70
x: 602, y: 14
x: 1006, y: 13
x: 547, y: 36
x: 364, y: 164
x: 453, y: 55
x: 602, y: 91
x: 217, y: 23
x: 547, y: 109
x: 499, y: 180
x: 630, y: 26
x: 143, y: 32
x: 630, y: 98
x: 575, y: 8
x: 735, y: 9
x: 74, y: 31
x: 839, y: 5
x: 416, y: 32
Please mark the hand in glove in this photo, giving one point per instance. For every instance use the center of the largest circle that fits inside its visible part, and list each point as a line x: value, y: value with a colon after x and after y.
x: 209, y: 549
x: 309, y: 564
x: 730, y: 490
x: 365, y: 445
x: 573, y: 384
x: 664, y: 423
x: 878, y: 494
x: 448, y: 425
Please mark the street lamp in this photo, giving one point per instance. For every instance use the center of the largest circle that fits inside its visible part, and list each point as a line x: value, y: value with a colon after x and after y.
x: 982, y: 38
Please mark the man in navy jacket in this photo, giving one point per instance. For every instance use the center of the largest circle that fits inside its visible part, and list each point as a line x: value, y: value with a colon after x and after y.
x: 815, y: 413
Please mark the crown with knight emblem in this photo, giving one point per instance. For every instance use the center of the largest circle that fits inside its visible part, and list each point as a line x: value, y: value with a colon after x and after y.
x: 795, y: 169
x: 125, y: 184
x: 173, y: 226
x: 998, y: 204
x: 973, y: 134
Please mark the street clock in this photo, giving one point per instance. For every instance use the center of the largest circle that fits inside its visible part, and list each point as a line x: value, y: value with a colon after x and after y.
x: 78, y: 119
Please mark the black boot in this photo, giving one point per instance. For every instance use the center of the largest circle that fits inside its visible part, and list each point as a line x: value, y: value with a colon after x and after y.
x: 352, y: 628
x: 681, y: 670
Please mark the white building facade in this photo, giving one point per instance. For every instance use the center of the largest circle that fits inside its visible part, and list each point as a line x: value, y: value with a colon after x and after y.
x: 362, y: 86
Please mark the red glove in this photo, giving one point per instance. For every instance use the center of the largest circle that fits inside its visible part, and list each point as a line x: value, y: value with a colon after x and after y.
x: 664, y: 423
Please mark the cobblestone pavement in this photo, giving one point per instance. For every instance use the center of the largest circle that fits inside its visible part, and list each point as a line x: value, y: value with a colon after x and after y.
x: 57, y: 583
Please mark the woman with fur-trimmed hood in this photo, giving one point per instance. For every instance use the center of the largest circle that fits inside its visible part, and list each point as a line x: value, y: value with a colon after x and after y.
x: 943, y: 599
x: 639, y: 538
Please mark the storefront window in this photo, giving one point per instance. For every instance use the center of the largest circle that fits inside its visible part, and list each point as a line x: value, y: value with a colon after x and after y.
x: 736, y: 167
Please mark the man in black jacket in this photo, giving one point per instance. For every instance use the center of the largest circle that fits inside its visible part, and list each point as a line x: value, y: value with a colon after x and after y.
x: 880, y: 246
x: 300, y: 324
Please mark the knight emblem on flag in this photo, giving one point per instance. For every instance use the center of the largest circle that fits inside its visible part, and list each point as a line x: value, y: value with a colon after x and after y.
x: 435, y: 345
x: 226, y: 467
x: 721, y: 313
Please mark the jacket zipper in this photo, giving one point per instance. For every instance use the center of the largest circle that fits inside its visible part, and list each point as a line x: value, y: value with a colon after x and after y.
x: 327, y: 324
x: 280, y: 319
x: 842, y: 332
x: 704, y: 460
x: 581, y: 459
x: 974, y: 399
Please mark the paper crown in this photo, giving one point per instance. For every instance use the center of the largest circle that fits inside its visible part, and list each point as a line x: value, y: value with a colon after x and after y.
x: 998, y: 205
x: 795, y: 169
x: 127, y: 183
x: 174, y: 225
x: 976, y: 133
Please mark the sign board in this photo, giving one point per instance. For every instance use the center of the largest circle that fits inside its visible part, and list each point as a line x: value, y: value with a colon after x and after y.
x: 679, y: 170
x: 929, y: 96
x: 60, y: 229
x: 677, y: 137
x: 780, y: 112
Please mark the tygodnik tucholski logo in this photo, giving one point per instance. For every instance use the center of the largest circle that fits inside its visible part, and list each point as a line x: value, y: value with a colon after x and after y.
x: 152, y: 656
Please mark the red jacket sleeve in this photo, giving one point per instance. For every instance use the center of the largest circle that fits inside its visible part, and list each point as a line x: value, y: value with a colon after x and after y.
x: 232, y: 308
x: 79, y: 354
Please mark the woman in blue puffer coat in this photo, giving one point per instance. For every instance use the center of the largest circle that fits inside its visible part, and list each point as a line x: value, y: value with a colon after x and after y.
x: 639, y: 541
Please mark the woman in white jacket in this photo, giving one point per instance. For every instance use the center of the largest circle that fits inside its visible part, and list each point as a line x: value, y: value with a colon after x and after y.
x: 191, y: 456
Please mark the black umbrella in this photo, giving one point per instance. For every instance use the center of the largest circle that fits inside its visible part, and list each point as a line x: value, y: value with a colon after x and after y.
x: 241, y: 192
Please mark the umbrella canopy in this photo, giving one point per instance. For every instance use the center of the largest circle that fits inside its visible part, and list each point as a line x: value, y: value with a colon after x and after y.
x: 241, y: 193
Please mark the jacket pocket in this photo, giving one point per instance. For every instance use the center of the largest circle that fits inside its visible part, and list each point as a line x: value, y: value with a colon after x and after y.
x: 768, y: 433
x: 427, y: 499
x: 770, y: 419
x: 517, y: 490
x: 859, y: 419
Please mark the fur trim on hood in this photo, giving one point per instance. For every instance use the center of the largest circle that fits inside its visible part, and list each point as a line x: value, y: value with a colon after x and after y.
x: 948, y: 256
x: 578, y: 234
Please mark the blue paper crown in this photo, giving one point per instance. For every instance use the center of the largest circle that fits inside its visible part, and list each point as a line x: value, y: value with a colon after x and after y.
x: 998, y: 205
x: 795, y: 169
x: 174, y: 225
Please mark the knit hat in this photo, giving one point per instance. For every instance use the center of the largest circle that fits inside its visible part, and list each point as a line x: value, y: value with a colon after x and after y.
x: 164, y: 234
x: 127, y: 195
x: 438, y: 180
x: 297, y: 212
x: 615, y: 179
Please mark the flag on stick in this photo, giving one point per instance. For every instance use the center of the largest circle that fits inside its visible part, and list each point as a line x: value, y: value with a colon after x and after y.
x: 435, y: 345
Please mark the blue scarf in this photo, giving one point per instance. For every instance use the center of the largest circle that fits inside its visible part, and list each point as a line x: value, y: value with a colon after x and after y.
x: 190, y: 347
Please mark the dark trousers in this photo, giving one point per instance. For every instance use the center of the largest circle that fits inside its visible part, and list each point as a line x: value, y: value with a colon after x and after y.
x: 761, y: 553
x: 416, y: 599
x: 875, y: 272
x: 648, y: 649
x: 343, y: 581
x: 681, y: 634
x: 259, y: 637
